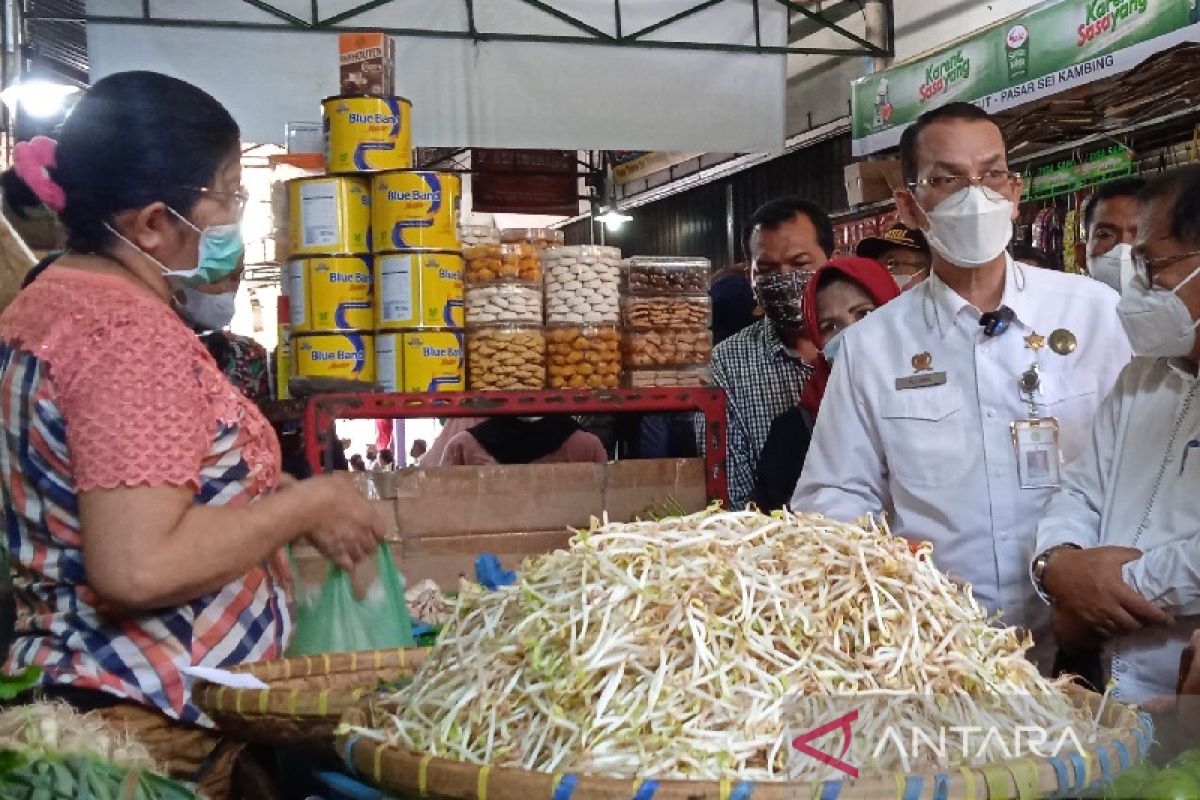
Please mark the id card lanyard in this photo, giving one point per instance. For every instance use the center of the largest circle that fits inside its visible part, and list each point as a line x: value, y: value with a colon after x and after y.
x: 1035, y: 438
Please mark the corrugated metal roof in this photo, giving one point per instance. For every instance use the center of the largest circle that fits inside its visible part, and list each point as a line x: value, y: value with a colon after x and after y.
x: 56, y: 38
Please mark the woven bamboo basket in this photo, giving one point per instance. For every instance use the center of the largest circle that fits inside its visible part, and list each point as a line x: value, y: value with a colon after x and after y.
x: 306, y: 698
x: 396, y: 769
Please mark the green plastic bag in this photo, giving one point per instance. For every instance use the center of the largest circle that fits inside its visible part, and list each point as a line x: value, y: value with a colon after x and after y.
x: 332, y: 619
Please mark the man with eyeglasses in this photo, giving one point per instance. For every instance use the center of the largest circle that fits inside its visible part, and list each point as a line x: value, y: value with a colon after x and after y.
x: 951, y: 407
x: 902, y: 250
x: 1119, y: 545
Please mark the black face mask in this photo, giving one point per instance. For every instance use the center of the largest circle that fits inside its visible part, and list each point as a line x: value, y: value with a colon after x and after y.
x: 781, y: 296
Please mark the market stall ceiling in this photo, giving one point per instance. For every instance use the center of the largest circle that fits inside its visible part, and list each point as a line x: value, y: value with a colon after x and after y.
x: 545, y: 94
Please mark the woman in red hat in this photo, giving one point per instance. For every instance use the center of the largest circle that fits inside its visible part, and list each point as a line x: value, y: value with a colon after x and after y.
x: 838, y: 295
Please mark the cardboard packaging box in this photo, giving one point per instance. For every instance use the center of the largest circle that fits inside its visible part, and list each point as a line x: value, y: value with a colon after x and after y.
x: 872, y: 181
x: 446, y: 516
x: 368, y: 63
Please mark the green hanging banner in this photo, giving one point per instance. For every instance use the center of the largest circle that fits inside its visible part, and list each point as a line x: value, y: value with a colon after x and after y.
x: 1053, y: 47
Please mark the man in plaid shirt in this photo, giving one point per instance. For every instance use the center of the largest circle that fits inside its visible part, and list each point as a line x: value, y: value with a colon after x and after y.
x: 760, y: 367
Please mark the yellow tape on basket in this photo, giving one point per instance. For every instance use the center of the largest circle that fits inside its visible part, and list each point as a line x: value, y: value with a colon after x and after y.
x: 323, y: 702
x: 481, y: 783
x: 900, y: 784
x: 377, y: 764
x: 423, y: 775
x: 263, y: 696
x: 1025, y: 774
x: 969, y: 779
x: 997, y: 781
x: 725, y: 787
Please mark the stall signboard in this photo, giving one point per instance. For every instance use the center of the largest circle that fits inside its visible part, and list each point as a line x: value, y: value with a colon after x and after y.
x: 1055, y: 46
x: 632, y: 165
x: 525, y: 182
x: 1062, y: 177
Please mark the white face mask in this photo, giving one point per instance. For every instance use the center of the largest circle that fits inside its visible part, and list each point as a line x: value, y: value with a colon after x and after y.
x: 832, y: 345
x: 905, y: 281
x: 1114, y: 268
x: 970, y: 227
x: 208, y: 312
x: 1156, y: 321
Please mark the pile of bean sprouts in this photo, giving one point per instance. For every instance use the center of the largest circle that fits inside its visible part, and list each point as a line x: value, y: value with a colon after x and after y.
x: 686, y: 647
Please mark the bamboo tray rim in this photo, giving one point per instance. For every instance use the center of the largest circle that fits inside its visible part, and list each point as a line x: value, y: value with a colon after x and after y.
x: 396, y: 768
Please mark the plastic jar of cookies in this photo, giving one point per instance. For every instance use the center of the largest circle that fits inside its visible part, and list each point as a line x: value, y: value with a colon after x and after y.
x: 582, y: 285
x: 506, y: 358
x: 583, y: 357
x: 662, y: 275
x: 472, y: 235
x: 488, y: 263
x: 668, y: 377
x: 683, y: 311
x: 492, y: 303
x: 541, y: 238
x: 666, y: 347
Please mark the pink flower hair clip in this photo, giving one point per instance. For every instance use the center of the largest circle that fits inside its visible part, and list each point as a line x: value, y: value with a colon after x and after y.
x: 32, y: 161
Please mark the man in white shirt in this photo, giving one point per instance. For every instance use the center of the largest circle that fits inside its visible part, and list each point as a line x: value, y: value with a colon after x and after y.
x: 1119, y: 545
x: 930, y: 394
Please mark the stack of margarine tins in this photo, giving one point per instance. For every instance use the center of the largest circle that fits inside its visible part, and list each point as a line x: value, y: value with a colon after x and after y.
x: 374, y: 276
x: 418, y: 281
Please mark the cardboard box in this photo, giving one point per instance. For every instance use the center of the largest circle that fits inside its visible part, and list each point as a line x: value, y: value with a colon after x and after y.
x: 872, y: 181
x: 446, y: 516
x: 368, y: 63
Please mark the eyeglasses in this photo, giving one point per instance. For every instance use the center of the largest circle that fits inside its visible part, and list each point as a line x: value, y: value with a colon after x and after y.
x: 1145, y: 266
x: 997, y: 179
x: 240, y: 197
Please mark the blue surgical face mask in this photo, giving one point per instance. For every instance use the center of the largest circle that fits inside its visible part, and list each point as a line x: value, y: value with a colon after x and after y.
x: 220, y: 252
x: 832, y: 345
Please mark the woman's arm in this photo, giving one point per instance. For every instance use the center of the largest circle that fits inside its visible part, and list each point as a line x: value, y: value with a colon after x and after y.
x: 152, y: 547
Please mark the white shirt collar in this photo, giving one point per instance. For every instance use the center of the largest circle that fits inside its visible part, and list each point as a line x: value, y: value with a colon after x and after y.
x: 943, y: 306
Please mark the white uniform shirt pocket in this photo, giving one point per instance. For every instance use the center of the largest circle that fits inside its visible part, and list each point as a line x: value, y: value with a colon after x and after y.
x: 925, y: 435
x: 1073, y: 404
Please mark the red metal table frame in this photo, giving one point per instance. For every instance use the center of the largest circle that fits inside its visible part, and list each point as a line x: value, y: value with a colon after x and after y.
x: 321, y: 411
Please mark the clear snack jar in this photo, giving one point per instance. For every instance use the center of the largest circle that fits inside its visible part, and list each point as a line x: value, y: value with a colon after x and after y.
x: 506, y: 358
x: 540, y: 238
x: 663, y: 275
x: 668, y: 377
x: 492, y: 303
x: 681, y: 311
x: 472, y: 235
x: 582, y: 285
x: 666, y: 347
x: 583, y: 357
x: 487, y: 263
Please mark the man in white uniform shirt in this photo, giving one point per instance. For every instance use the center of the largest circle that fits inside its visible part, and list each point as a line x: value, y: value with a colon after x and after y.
x: 931, y: 394
x: 1119, y: 546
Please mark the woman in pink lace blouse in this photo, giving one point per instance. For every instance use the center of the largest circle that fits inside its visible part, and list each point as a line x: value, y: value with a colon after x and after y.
x: 139, y: 486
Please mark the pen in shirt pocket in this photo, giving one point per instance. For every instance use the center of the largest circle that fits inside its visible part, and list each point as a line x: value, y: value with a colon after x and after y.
x: 1187, y: 448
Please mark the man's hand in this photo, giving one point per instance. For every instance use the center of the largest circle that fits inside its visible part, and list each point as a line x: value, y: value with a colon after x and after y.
x: 1087, y: 586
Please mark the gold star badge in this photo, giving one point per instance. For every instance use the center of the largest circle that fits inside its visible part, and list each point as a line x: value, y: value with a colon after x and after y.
x: 922, y: 362
x: 1035, y: 341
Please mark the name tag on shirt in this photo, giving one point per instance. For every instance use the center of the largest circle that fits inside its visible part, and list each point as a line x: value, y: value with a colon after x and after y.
x: 921, y: 381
